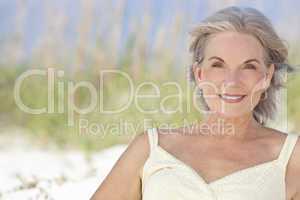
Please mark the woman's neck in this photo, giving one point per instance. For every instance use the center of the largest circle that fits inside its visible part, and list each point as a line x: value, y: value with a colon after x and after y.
x: 241, y: 127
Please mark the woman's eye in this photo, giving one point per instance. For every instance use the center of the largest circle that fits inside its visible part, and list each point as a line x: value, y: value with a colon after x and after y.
x: 216, y: 65
x: 249, y: 66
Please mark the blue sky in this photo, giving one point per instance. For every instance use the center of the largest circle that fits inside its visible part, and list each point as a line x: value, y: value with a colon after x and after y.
x: 161, y: 12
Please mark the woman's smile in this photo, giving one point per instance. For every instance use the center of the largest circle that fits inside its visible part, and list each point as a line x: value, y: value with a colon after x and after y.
x: 231, y: 98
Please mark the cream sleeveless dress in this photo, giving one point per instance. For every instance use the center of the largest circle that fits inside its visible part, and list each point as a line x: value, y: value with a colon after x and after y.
x: 165, y: 177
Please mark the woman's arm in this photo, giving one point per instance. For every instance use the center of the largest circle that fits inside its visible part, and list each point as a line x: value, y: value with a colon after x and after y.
x: 123, y: 181
x: 293, y: 172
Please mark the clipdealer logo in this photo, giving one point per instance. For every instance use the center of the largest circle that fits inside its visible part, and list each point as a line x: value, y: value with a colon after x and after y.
x: 58, y: 89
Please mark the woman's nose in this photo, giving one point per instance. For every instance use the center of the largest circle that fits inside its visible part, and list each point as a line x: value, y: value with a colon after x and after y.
x: 231, y: 78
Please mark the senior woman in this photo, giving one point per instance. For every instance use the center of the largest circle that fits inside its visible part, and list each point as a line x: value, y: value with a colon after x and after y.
x: 238, y: 63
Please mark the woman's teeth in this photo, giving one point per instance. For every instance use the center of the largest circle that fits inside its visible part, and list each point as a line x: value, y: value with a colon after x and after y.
x: 231, y: 98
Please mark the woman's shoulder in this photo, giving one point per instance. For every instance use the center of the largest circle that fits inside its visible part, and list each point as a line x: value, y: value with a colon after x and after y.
x: 295, y: 157
x: 278, y: 134
x: 293, y: 166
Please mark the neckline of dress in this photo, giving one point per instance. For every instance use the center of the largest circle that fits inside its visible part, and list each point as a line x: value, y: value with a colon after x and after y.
x: 199, y: 176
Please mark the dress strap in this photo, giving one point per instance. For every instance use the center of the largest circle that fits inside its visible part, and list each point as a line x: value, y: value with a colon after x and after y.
x: 287, y: 149
x: 153, y: 138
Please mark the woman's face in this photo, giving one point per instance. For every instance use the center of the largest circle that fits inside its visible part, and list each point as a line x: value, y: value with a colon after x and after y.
x: 233, y: 74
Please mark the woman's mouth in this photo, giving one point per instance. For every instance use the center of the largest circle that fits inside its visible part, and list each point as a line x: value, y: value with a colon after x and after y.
x: 231, y: 98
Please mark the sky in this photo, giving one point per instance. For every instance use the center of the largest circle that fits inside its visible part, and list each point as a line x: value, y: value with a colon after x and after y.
x: 161, y: 12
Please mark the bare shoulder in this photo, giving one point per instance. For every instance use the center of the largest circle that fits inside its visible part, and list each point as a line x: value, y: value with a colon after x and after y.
x: 293, y: 167
x: 295, y: 158
x: 273, y: 137
x: 125, y: 174
x: 293, y: 171
x: 138, y: 149
x: 274, y: 133
x: 279, y: 137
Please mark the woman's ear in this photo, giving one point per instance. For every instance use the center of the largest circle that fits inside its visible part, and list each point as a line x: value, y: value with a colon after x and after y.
x: 197, y: 72
x: 269, y: 75
x: 264, y: 82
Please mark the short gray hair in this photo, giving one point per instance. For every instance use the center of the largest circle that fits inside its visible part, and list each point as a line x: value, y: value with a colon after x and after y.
x: 250, y: 21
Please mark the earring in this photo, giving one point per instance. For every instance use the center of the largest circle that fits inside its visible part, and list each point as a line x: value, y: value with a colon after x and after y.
x: 264, y: 95
x: 200, y: 92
